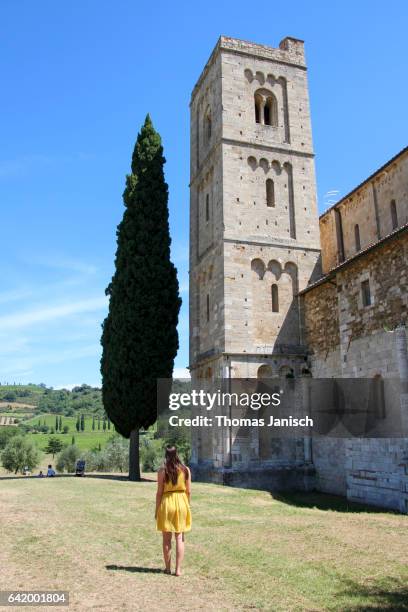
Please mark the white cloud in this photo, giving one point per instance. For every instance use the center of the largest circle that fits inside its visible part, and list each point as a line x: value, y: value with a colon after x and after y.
x: 58, y: 262
x: 46, y: 314
x: 13, y: 295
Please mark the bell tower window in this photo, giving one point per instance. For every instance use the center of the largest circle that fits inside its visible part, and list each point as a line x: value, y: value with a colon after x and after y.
x: 270, y: 193
x: 394, y: 215
x: 275, y: 298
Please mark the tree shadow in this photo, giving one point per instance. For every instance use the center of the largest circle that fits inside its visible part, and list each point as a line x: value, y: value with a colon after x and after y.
x: 121, y: 477
x: 135, y: 569
x: 326, y: 501
x: 116, y: 477
x: 388, y: 594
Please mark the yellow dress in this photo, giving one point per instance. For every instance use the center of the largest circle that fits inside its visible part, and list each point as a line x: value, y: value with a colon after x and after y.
x: 174, y: 512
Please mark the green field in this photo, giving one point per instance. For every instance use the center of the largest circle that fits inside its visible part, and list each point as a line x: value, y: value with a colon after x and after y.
x: 85, y: 440
x: 95, y: 537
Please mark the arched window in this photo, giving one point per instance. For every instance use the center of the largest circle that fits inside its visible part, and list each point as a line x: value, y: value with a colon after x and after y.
x: 270, y: 193
x: 258, y: 109
x: 275, y: 298
x: 207, y: 126
x: 207, y: 207
x: 394, y: 215
x: 266, y: 108
x: 270, y: 111
x: 357, y: 237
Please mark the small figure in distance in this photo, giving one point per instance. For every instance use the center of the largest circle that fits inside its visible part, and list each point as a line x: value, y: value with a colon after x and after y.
x: 50, y: 471
x: 41, y: 475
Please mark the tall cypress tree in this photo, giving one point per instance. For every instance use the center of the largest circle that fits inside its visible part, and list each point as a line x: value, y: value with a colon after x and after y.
x: 139, y: 336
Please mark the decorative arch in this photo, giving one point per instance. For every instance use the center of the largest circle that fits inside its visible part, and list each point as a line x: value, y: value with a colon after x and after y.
x: 275, y: 267
x: 258, y: 266
x: 286, y: 371
x: 292, y: 270
x: 264, y: 371
x: 264, y: 164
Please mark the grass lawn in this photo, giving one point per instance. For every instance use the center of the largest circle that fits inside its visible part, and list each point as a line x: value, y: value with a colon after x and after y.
x: 95, y: 537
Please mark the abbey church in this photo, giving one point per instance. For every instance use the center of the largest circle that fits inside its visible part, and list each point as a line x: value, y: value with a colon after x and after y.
x: 276, y: 291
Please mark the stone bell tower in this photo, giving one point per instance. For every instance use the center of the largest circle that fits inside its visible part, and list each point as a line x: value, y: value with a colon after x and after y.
x: 254, y: 234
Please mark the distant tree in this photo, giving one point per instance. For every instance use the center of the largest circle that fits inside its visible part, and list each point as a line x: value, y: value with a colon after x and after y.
x: 99, y: 447
x: 99, y: 423
x: 52, y: 430
x: 56, y: 423
x: 54, y: 446
x: 19, y: 453
x: 5, y: 434
x: 139, y: 337
x: 10, y: 396
x: 73, y: 440
x: 78, y: 423
x: 104, y: 424
x: 82, y: 422
x: 109, y: 424
x: 67, y: 459
x: 65, y: 429
x: 93, y: 423
x: 60, y: 423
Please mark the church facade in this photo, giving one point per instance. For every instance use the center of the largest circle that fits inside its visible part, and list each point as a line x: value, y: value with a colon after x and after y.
x: 268, y: 297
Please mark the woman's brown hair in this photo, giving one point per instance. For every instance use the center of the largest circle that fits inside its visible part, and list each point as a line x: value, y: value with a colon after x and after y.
x: 172, y: 465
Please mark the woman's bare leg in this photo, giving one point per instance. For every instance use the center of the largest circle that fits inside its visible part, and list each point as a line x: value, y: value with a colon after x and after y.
x: 167, y: 549
x: 179, y: 552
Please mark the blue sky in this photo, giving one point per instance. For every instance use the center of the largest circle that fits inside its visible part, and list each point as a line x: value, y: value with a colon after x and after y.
x: 77, y: 81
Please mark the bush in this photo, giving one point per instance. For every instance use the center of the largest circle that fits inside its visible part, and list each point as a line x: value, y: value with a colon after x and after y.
x: 117, y: 452
x: 20, y: 453
x: 151, y: 454
x: 96, y: 461
x: 67, y: 459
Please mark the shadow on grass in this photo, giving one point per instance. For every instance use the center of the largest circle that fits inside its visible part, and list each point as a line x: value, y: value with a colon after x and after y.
x: 389, y: 594
x: 135, y: 569
x: 324, y: 501
x: 122, y: 477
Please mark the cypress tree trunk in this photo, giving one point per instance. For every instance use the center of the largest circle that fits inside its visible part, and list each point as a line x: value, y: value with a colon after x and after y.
x: 134, y: 462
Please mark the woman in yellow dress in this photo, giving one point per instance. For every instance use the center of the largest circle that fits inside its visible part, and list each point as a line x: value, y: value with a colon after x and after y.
x: 173, y: 513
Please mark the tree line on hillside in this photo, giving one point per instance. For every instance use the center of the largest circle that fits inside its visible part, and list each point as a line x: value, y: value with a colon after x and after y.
x: 83, y: 398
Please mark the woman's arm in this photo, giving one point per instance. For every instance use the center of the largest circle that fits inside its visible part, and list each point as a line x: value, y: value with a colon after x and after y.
x: 188, y: 485
x: 160, y: 487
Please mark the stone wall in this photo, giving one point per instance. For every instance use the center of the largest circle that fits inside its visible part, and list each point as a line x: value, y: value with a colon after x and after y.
x: 369, y: 207
x: 349, y: 339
